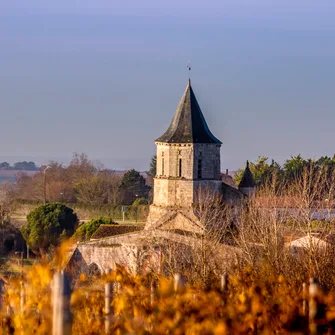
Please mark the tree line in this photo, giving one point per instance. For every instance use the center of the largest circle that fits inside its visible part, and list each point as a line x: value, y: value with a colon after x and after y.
x: 269, y: 172
x: 82, y: 181
x: 19, y: 166
x: 88, y: 182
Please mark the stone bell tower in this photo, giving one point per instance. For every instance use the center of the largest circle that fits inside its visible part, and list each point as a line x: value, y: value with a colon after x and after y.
x: 188, y: 159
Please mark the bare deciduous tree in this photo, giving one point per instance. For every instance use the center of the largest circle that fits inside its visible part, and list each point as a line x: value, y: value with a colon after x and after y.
x: 7, y: 200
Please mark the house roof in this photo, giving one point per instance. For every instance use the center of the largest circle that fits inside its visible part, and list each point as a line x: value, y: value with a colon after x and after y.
x: 247, y: 178
x: 106, y: 230
x: 188, y: 124
x: 231, y: 193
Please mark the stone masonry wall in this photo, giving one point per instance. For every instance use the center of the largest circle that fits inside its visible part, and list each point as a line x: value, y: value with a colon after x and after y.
x: 210, y: 157
x: 137, y: 257
x: 170, y: 155
x: 248, y: 191
x: 170, y: 189
x: 173, y: 192
x: 107, y: 256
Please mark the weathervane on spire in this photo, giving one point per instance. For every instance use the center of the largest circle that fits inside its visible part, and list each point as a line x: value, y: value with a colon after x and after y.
x: 189, y: 70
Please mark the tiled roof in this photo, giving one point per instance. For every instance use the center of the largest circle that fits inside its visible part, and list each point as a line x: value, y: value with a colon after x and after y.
x: 111, y: 230
x: 188, y: 124
x: 231, y: 193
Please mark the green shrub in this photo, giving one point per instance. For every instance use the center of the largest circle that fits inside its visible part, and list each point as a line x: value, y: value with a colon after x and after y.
x: 140, y: 201
x: 48, y: 225
x: 86, y: 230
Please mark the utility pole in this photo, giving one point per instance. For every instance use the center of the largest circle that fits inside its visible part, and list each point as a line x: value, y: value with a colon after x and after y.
x: 45, y: 184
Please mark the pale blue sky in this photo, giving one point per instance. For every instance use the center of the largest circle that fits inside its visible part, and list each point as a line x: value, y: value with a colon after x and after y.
x: 104, y: 77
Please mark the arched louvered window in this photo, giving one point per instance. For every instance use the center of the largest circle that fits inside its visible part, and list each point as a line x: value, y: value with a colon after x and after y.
x: 199, y: 168
x: 180, y: 167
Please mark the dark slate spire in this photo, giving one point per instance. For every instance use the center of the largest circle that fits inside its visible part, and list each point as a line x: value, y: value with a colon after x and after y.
x: 247, y: 178
x: 188, y: 124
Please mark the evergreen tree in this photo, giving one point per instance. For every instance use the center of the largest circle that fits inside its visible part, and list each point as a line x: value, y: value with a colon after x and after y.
x: 133, y: 186
x: 153, y: 166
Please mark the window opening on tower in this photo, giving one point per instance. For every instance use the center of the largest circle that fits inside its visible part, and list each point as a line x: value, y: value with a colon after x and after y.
x: 199, y: 168
x: 179, y: 167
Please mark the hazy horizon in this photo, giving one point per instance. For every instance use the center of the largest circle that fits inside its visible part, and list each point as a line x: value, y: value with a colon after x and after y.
x: 105, y: 78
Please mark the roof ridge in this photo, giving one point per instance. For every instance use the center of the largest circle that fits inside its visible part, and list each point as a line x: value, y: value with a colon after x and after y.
x: 187, y: 89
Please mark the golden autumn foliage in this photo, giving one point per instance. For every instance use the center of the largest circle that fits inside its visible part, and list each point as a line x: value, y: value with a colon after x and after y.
x: 251, y: 305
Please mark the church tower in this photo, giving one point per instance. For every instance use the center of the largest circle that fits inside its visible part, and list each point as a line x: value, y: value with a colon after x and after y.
x: 188, y: 159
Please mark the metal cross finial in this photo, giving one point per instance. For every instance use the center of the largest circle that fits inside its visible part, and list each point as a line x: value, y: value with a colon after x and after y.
x: 189, y: 70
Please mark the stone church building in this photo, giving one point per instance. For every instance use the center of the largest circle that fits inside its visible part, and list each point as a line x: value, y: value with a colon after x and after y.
x: 188, y: 163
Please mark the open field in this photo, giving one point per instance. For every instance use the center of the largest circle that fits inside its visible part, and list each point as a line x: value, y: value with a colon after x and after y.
x: 86, y: 213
